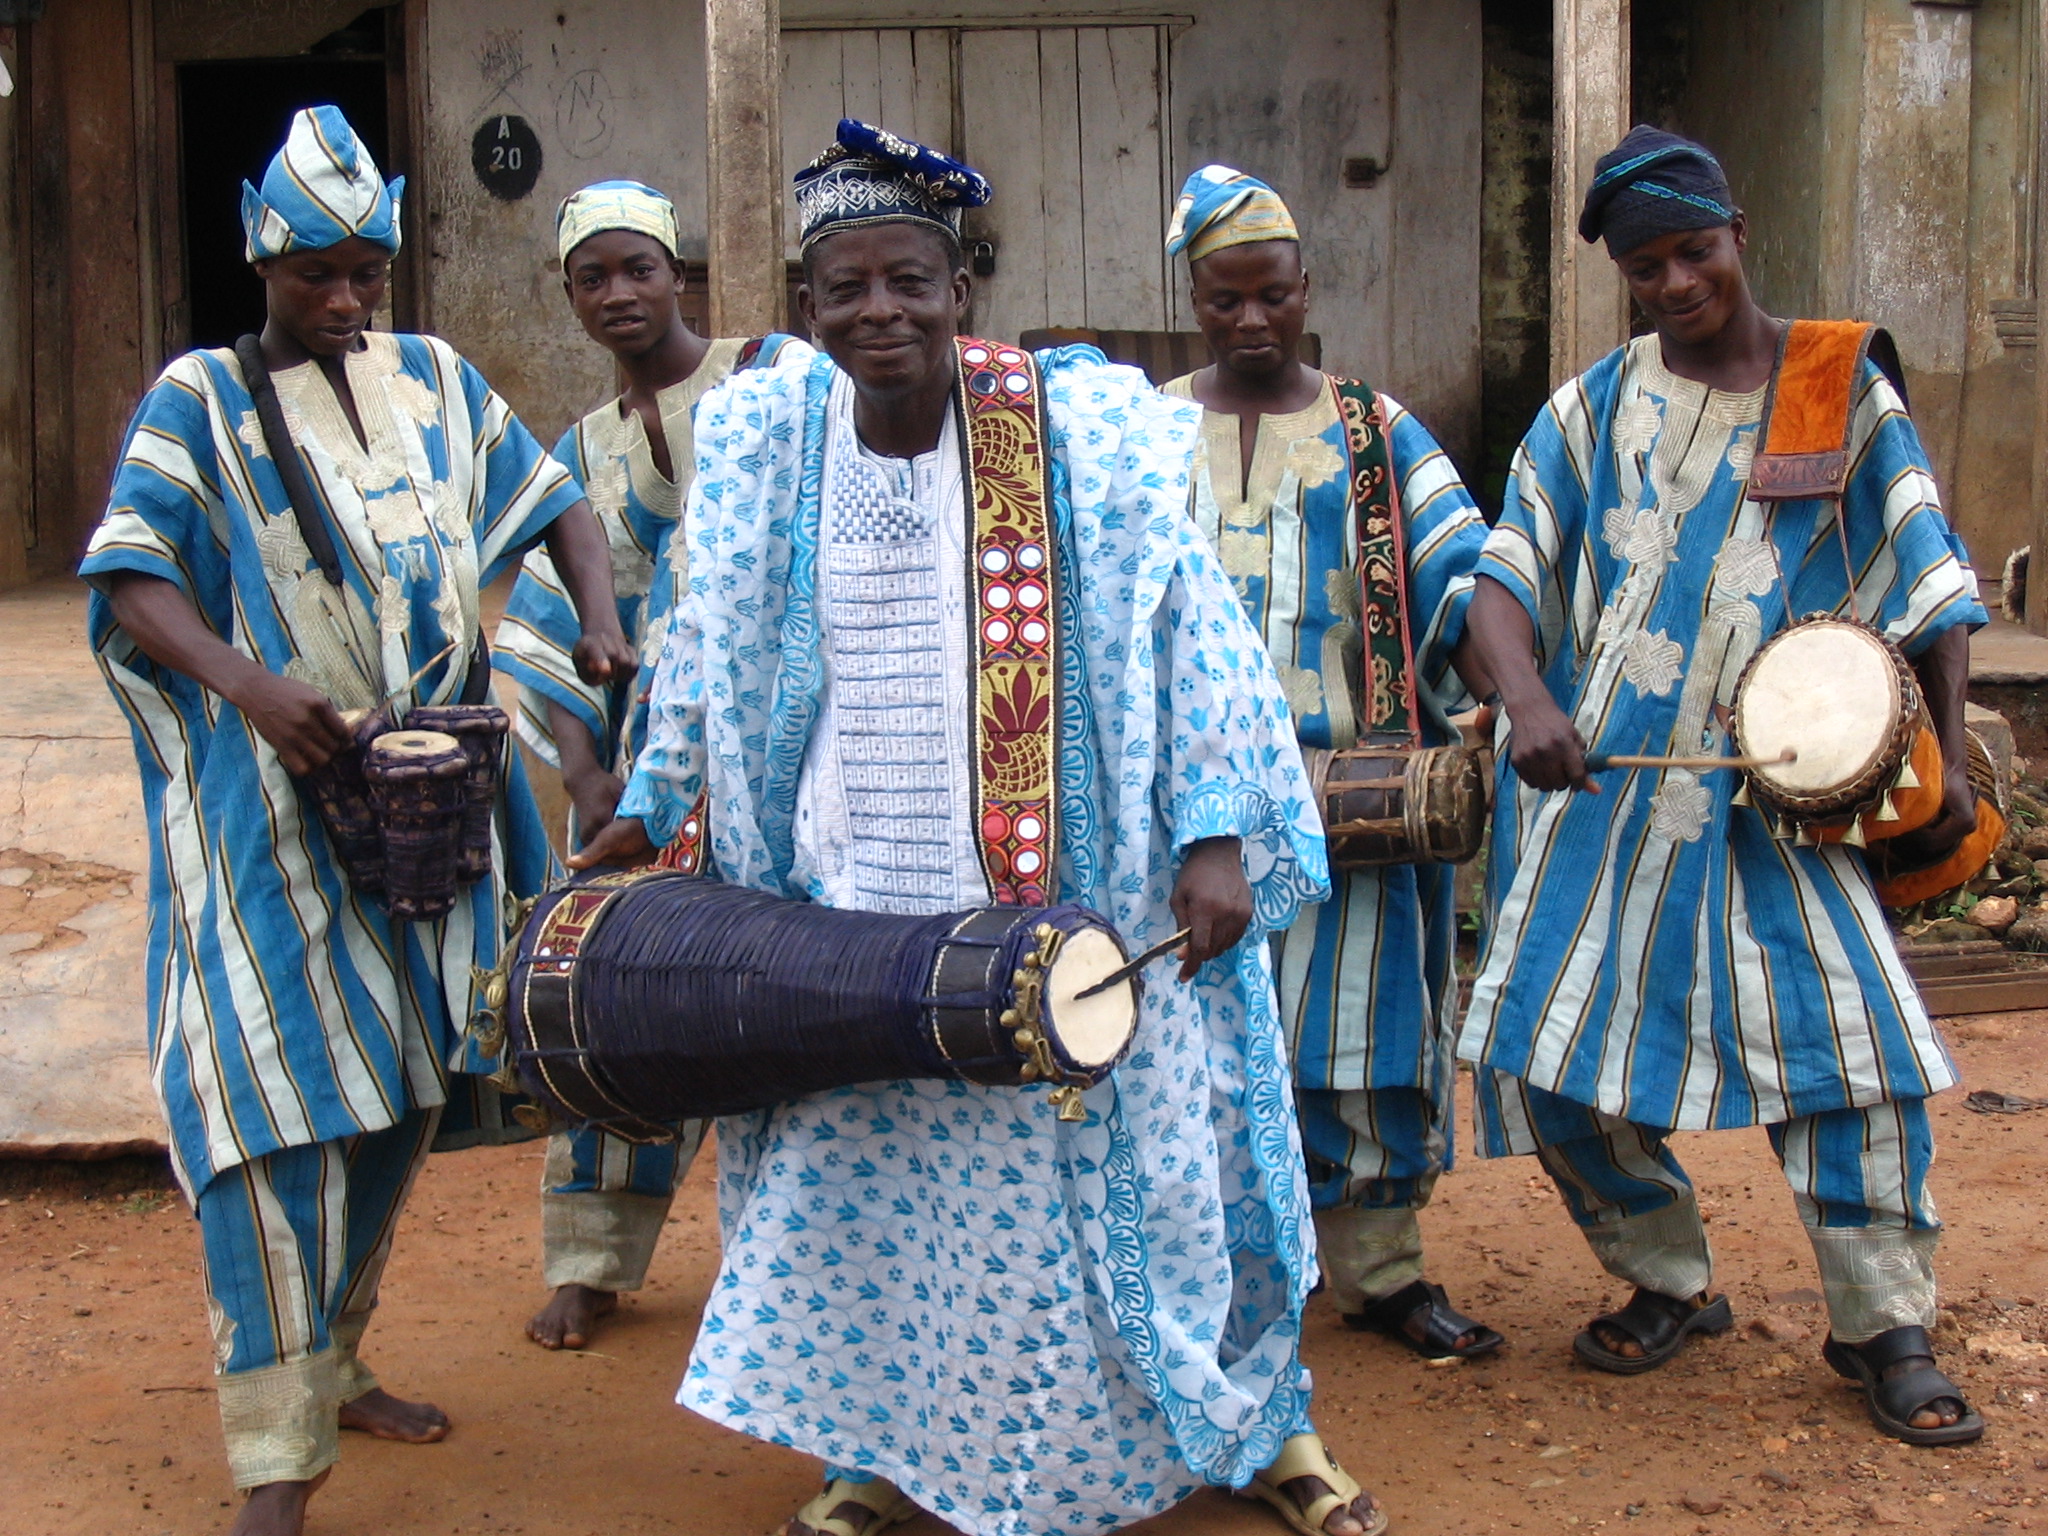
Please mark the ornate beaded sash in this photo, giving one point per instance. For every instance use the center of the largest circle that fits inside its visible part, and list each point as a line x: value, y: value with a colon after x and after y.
x: 1386, y: 683
x: 1015, y: 618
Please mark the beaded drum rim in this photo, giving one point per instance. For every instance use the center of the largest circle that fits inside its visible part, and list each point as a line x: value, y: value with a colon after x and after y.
x: 1849, y: 800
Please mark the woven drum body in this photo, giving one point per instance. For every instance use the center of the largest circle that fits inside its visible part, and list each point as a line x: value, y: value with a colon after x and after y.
x: 640, y: 999
x: 417, y: 785
x: 1399, y: 805
x: 341, y: 794
x: 480, y: 728
x: 1844, y: 699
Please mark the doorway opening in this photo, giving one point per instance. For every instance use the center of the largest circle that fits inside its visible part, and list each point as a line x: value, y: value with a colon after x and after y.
x: 232, y: 116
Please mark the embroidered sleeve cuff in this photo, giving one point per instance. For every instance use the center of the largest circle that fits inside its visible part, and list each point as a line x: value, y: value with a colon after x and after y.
x: 1285, y: 862
x: 657, y: 805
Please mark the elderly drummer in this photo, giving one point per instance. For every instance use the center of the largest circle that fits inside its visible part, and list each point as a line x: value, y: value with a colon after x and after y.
x: 302, y: 1037
x: 1659, y: 959
x: 951, y: 637
x: 1297, y: 468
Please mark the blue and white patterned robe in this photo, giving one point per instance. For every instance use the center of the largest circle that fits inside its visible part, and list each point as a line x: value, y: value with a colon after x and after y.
x: 1365, y: 977
x: 1028, y: 1326
x: 285, y: 1010
x: 1652, y: 951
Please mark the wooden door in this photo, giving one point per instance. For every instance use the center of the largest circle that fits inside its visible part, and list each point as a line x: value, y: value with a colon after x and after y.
x: 1068, y: 123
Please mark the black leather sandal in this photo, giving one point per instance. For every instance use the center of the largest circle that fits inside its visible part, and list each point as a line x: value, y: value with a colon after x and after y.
x: 1659, y: 1324
x: 1893, y: 1402
x: 1442, y: 1324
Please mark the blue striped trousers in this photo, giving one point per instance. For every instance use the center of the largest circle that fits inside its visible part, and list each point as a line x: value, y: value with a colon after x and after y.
x: 294, y: 1246
x: 1858, y: 1177
x: 603, y: 1202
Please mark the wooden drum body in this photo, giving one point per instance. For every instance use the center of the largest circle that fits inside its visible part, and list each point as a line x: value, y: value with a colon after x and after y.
x: 418, y: 787
x: 1399, y: 805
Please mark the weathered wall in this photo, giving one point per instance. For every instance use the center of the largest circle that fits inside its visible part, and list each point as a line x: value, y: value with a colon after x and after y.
x: 17, y: 461
x: 1514, y: 266
x: 1274, y: 88
x: 610, y: 91
x: 1880, y: 150
x: 1991, y: 487
x: 1753, y: 92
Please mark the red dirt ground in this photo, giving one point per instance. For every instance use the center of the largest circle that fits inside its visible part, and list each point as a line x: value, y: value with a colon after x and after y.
x: 107, y: 1415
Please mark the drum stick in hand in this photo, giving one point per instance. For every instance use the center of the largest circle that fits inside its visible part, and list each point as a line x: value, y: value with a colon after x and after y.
x: 1600, y: 762
x: 1127, y: 971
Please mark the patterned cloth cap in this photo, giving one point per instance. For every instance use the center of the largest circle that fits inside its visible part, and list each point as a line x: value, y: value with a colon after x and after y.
x: 1220, y: 207
x: 1654, y: 183
x: 870, y: 176
x: 321, y: 188
x: 607, y: 205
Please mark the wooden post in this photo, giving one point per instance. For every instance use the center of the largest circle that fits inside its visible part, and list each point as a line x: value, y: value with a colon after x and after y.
x: 17, y: 455
x: 1589, y: 114
x: 743, y: 69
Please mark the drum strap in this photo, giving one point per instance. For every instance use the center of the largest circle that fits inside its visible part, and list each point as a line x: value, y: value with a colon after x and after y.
x: 298, y: 489
x: 1013, y: 574
x: 1807, y: 415
x: 1387, y: 706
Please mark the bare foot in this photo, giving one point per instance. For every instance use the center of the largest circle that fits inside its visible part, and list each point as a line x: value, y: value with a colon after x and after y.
x: 1353, y: 1520
x: 378, y: 1413
x: 569, y: 1320
x: 276, y: 1509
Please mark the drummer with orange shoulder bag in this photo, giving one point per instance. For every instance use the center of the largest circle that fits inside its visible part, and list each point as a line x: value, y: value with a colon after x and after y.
x: 1729, y: 625
x: 1342, y: 525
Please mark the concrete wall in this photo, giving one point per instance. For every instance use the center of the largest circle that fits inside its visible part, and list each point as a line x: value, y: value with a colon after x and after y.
x: 610, y: 91
x: 1991, y: 485
x: 1880, y: 150
x: 1287, y: 89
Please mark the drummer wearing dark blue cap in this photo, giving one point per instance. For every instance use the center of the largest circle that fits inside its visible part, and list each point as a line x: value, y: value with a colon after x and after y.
x: 1664, y: 956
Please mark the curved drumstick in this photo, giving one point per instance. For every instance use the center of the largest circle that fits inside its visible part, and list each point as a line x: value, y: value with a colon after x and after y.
x: 1600, y: 762
x: 1126, y: 971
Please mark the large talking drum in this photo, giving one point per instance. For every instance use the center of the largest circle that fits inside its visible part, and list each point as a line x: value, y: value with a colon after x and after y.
x: 418, y: 789
x: 1399, y: 805
x: 641, y: 998
x: 1843, y: 699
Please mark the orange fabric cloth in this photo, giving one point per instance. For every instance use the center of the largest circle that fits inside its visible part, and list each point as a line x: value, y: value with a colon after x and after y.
x: 1816, y: 386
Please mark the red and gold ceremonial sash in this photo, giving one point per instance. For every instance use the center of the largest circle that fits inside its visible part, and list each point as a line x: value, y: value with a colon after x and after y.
x: 1386, y: 682
x: 1015, y: 615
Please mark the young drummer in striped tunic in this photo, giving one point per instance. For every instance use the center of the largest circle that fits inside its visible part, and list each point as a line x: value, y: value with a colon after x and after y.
x: 302, y: 1040
x: 603, y: 1199
x: 1365, y: 977
x: 1657, y: 960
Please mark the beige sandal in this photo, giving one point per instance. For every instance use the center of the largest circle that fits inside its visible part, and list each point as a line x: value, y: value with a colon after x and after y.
x: 882, y: 1498
x: 1307, y: 1456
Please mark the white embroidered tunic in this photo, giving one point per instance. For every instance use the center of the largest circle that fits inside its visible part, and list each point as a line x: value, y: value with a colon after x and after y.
x: 884, y: 815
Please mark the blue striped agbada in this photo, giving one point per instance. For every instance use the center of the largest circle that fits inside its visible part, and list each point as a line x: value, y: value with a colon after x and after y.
x: 1363, y: 976
x: 284, y: 1009
x: 1653, y: 952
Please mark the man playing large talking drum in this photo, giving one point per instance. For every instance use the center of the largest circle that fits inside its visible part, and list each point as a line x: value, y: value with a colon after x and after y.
x: 604, y: 1200
x: 1297, y: 482
x: 1667, y: 951
x: 303, y: 1041
x: 951, y: 638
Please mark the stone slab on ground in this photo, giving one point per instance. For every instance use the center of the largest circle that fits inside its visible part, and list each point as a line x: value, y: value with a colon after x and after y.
x: 74, y: 881
x: 2002, y: 653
